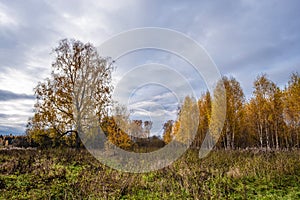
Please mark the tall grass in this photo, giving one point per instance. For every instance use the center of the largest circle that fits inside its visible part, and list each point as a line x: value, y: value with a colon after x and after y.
x: 75, y: 174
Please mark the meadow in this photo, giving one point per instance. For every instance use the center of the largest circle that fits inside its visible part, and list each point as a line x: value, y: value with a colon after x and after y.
x: 66, y: 173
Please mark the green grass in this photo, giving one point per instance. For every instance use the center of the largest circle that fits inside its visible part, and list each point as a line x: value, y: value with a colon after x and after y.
x: 71, y: 174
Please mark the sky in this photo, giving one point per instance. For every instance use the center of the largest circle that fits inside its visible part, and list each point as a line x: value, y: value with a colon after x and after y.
x: 244, y: 39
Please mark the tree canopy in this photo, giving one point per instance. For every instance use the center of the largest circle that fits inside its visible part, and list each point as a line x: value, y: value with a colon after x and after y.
x: 78, y: 91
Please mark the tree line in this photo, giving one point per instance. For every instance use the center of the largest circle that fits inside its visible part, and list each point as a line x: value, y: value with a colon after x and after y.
x: 77, y: 98
x: 269, y: 119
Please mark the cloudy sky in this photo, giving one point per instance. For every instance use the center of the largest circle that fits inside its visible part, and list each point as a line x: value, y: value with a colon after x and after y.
x: 244, y: 38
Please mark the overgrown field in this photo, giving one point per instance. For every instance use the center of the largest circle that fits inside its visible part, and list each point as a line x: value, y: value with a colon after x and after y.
x: 73, y: 174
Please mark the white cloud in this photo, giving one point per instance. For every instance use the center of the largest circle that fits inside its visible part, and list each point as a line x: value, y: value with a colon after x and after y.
x: 15, y: 113
x: 17, y: 81
x: 7, y: 19
x: 244, y: 38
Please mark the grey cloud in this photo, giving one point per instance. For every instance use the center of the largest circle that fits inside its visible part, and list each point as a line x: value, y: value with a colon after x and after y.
x: 240, y: 36
x: 8, y: 95
x: 4, y: 115
x: 41, y: 24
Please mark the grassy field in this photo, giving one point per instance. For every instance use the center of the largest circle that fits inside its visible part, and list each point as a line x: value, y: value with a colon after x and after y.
x: 73, y: 174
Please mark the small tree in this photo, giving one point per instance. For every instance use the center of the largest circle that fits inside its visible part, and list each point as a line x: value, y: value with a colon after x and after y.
x: 115, y: 134
x: 185, y: 127
x: 78, y: 91
x: 234, y: 110
x: 167, y: 135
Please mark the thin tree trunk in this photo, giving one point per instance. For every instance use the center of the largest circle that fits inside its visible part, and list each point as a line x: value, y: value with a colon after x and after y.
x: 260, y: 136
x: 272, y: 142
x: 228, y: 142
x: 77, y: 140
x: 232, y: 140
x: 286, y: 140
x: 276, y: 136
x: 297, y: 136
x: 267, y: 138
x: 224, y: 142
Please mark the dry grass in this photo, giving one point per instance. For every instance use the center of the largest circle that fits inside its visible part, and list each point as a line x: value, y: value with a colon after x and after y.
x: 72, y: 174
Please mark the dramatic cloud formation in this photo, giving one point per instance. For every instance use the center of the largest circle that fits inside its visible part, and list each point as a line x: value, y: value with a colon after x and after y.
x: 244, y: 38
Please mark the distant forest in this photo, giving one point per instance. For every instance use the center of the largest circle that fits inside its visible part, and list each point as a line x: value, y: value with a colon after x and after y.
x: 270, y: 119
